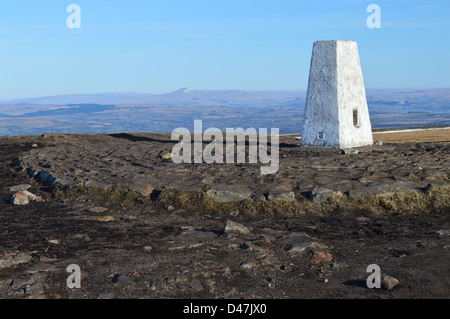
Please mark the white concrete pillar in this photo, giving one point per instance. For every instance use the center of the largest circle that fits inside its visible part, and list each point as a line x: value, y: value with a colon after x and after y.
x: 336, y: 112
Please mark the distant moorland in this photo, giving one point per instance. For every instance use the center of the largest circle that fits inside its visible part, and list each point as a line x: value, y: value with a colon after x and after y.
x: 135, y: 112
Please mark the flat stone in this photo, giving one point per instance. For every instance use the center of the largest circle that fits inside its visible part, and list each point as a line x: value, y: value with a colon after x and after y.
x: 300, y: 247
x: 231, y: 226
x: 14, y: 259
x: 98, y: 209
x: 103, y: 218
x: 224, y: 193
x: 140, y: 183
x: 120, y: 278
x: 196, y: 285
x: 442, y: 232
x: 320, y: 195
x: 41, y: 267
x: 18, y: 188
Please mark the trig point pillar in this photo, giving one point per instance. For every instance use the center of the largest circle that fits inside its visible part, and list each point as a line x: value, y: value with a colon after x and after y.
x: 336, y: 112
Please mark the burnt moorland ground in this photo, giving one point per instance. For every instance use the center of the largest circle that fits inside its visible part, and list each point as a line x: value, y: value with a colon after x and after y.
x: 140, y: 226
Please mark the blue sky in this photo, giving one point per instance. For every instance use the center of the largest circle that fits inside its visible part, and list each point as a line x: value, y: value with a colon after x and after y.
x: 158, y: 46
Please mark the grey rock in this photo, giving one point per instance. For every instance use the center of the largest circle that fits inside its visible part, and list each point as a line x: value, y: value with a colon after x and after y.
x: 41, y: 267
x: 300, y: 247
x: 287, y: 196
x: 224, y: 193
x: 36, y: 288
x: 18, y: 188
x: 20, y: 199
x: 388, y: 282
x: 32, y: 196
x: 196, y: 285
x: 120, y: 278
x: 281, y: 191
x: 96, y: 184
x: 231, y: 226
x: 98, y: 209
x: 46, y: 178
x: 348, y: 151
x: 14, y: 259
x: 259, y: 198
x: 442, y: 232
x: 320, y: 195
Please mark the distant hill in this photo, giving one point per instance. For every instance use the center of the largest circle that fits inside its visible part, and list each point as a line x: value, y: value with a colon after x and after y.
x: 179, y: 97
x: 137, y: 112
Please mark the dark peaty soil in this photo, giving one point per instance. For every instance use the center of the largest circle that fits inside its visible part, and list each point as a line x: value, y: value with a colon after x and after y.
x: 148, y: 251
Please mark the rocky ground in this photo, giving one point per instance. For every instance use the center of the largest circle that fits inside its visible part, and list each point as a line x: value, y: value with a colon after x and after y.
x: 140, y: 226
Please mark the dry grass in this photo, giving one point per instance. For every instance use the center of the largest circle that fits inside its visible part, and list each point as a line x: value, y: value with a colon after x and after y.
x: 434, y: 136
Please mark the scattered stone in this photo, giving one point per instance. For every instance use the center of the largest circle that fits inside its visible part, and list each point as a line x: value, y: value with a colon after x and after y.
x: 363, y: 219
x: 31, y: 196
x: 141, y: 183
x: 380, y: 174
x: 224, y: 193
x: 442, y: 232
x: 41, y: 267
x: 234, y: 213
x: 347, y: 151
x: 320, y: 195
x: 147, y: 248
x: 18, y: 188
x: 20, y: 198
x: 231, y: 226
x: 36, y: 288
x: 34, y: 145
x: 281, y: 192
x: 54, y: 241
x: 378, y: 143
x: 388, y: 282
x: 300, y: 247
x: 96, y: 184
x: 14, y: 259
x: 166, y: 156
x: 46, y: 178
x: 107, y: 218
x: 120, y: 278
x: 320, y: 257
x: 98, y: 209
x: 196, y: 285
x: 249, y: 265
x: 23, y: 198
x: 287, y: 196
x: 259, y: 198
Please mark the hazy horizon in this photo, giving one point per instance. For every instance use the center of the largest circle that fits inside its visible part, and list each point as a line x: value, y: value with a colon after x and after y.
x: 206, y: 89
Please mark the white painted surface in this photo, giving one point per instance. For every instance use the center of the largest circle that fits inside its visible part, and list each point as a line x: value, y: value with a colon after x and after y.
x: 335, y: 91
